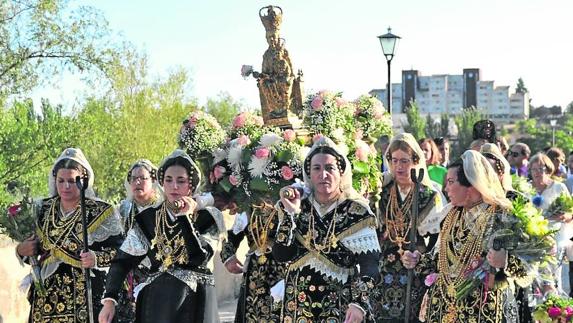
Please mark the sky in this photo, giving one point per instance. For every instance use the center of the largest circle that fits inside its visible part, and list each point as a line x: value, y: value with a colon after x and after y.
x: 335, y: 43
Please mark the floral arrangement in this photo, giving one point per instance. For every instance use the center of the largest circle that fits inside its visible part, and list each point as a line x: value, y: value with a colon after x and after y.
x: 520, y: 184
x: 371, y: 118
x: 200, y: 134
x: 254, y: 171
x: 554, y: 309
x: 249, y: 125
x: 354, y: 127
x: 19, y: 223
x: 562, y: 204
x: 328, y: 114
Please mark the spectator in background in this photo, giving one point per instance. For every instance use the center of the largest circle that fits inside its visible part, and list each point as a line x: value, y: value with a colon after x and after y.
x: 518, y: 157
x: 558, y: 159
x: 381, y: 145
x: 436, y: 171
x: 443, y: 144
x: 569, y: 180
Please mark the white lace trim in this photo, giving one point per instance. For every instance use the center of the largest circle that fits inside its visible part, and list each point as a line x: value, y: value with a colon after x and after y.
x: 135, y: 243
x: 363, y: 241
x: 341, y: 274
x: 109, y: 227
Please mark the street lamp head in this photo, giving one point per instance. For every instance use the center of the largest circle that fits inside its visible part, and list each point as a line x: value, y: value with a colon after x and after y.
x: 553, y: 122
x: 388, y: 42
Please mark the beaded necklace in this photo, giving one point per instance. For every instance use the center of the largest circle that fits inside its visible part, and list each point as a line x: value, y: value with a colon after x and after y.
x: 329, y: 240
x: 397, y: 226
x: 169, y: 250
x: 260, y: 224
x: 454, y: 262
x: 57, y: 228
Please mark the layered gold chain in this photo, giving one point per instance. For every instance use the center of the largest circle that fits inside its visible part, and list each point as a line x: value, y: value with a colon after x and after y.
x: 169, y: 250
x: 397, y: 226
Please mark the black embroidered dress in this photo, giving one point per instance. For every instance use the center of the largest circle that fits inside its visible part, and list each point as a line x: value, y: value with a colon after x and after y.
x: 179, y: 281
x: 60, y: 246
x: 333, y: 266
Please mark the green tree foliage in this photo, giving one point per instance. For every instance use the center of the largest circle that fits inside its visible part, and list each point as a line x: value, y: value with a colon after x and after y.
x: 465, y: 122
x: 444, y: 125
x: 30, y: 142
x: 42, y: 38
x: 224, y: 108
x: 432, y: 127
x: 520, y: 87
x: 538, y: 134
x: 416, y: 123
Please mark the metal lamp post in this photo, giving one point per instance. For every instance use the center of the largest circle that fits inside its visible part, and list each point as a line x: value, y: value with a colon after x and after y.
x: 553, y: 123
x: 388, y: 42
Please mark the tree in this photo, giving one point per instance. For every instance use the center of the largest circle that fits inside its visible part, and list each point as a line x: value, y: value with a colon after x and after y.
x: 224, y: 108
x: 432, y: 127
x: 444, y: 125
x: 416, y: 124
x: 465, y: 123
x: 42, y: 38
x: 520, y: 87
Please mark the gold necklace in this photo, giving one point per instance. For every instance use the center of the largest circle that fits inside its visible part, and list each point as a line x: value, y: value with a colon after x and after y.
x: 55, y: 231
x: 329, y: 240
x: 169, y: 250
x: 259, y: 228
x: 397, y: 227
x: 452, y: 276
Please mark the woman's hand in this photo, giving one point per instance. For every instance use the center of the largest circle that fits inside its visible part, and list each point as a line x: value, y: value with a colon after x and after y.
x: 353, y: 315
x: 28, y: 247
x: 564, y: 217
x: 410, y: 259
x: 290, y: 198
x: 189, y: 205
x: 88, y: 259
x: 107, y: 312
x: 497, y: 259
x: 234, y: 266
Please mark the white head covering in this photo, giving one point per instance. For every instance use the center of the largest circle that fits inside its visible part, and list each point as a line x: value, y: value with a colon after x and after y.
x: 411, y: 142
x: 194, y: 171
x: 483, y: 178
x: 76, y: 155
x: 152, y: 169
x: 346, y: 177
x: 492, y: 151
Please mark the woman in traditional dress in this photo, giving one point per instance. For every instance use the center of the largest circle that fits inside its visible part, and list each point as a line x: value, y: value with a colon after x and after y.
x: 403, y: 155
x: 143, y: 191
x: 180, y: 287
x: 541, y: 168
x: 329, y: 239
x: 59, y: 244
x: 477, y: 209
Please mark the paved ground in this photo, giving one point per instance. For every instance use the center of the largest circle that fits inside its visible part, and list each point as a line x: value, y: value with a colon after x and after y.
x: 227, y: 311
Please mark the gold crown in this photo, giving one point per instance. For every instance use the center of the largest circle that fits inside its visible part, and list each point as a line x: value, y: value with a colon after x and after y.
x: 273, y: 19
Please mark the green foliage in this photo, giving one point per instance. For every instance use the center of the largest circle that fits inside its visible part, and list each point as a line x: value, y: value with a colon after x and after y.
x: 224, y: 108
x: 520, y: 87
x: 416, y: 123
x: 465, y: 122
x: 432, y: 127
x: 538, y: 135
x: 41, y: 38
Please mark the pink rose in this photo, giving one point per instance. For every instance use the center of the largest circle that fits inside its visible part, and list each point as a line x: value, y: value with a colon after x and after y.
x: 14, y: 210
x: 258, y: 120
x: 316, y: 137
x: 219, y: 172
x: 240, y: 120
x: 262, y: 152
x: 289, y: 135
x: 358, y: 134
x: 340, y: 101
x: 243, y: 140
x: 554, y: 312
x: 568, y: 311
x: 211, y: 178
x: 430, y: 279
x: 287, y: 173
x: 378, y: 112
x: 233, y: 180
x: 323, y: 93
x: 316, y: 103
x: 362, y: 153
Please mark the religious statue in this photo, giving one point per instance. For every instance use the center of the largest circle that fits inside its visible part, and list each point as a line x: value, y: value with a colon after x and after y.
x: 280, y: 90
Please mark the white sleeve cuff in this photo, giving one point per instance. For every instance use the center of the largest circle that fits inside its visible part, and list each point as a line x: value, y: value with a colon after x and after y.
x: 108, y: 299
x: 358, y: 307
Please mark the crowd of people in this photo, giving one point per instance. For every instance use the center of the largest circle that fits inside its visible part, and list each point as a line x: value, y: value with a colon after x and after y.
x: 336, y: 255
